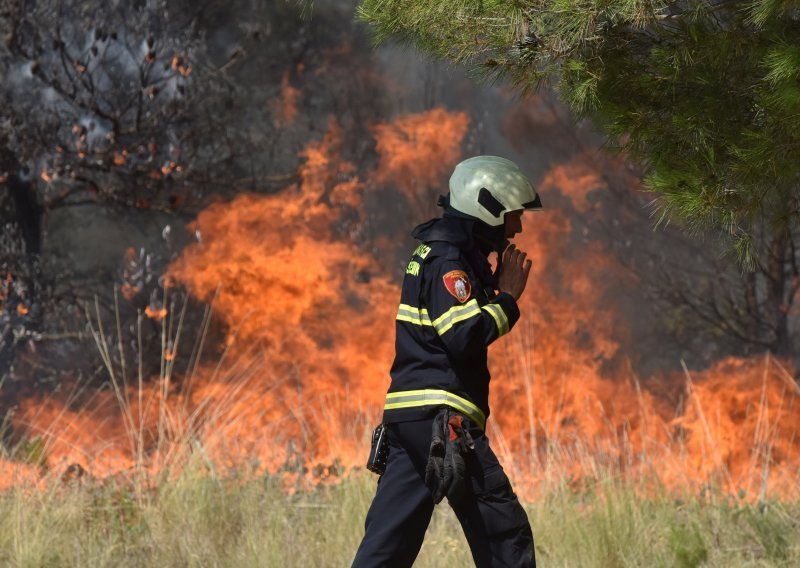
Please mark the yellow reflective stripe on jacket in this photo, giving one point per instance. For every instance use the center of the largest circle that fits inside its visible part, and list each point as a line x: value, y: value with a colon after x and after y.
x: 500, y: 318
x: 454, y: 315
x: 445, y: 321
x: 435, y: 397
x: 413, y: 315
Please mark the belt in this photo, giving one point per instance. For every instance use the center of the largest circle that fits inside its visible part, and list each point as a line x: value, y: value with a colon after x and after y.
x: 435, y: 397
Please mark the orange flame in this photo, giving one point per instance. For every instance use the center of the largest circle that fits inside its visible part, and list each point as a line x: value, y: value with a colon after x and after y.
x: 155, y: 312
x: 417, y: 150
x: 284, y: 108
x: 563, y: 396
x: 283, y: 274
x: 129, y: 291
x: 308, y: 318
x: 181, y: 65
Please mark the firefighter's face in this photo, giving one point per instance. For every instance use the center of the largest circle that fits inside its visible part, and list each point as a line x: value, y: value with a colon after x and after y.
x: 512, y: 224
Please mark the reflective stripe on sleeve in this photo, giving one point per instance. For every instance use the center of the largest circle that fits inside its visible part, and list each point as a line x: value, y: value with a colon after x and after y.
x: 500, y: 318
x: 434, y: 397
x: 413, y: 315
x: 445, y: 321
x: 454, y: 315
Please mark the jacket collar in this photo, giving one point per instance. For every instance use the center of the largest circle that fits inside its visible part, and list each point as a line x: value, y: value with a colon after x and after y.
x: 466, y: 235
x: 454, y: 230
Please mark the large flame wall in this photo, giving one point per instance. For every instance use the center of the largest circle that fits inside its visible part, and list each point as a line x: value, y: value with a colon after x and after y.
x: 307, y: 308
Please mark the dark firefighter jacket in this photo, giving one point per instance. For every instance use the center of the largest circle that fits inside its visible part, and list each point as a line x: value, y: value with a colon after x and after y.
x: 448, y: 315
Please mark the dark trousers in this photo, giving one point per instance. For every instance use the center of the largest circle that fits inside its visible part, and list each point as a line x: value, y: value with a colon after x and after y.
x: 494, y: 522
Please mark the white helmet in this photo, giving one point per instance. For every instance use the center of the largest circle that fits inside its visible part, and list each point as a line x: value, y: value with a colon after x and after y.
x: 487, y: 187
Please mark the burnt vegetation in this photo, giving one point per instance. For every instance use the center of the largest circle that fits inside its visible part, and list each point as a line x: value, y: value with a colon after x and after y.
x: 120, y: 123
x: 101, y: 118
x: 707, y: 304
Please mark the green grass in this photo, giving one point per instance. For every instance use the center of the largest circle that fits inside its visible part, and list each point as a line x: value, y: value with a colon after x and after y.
x: 198, y: 519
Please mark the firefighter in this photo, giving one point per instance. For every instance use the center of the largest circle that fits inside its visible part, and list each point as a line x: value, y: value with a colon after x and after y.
x: 452, y: 307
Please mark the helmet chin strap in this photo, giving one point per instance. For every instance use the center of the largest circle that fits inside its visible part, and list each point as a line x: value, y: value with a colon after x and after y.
x: 490, y: 239
x: 486, y: 237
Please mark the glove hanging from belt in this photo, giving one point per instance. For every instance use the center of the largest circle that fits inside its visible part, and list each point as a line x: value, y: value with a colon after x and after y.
x: 446, y: 472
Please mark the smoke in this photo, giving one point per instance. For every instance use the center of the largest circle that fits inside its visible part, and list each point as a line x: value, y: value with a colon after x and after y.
x: 304, y: 282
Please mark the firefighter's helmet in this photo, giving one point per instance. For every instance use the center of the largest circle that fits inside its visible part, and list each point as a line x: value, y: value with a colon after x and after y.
x: 487, y: 187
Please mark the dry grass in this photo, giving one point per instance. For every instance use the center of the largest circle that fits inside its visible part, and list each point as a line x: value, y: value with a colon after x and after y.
x: 185, y: 513
x: 198, y: 519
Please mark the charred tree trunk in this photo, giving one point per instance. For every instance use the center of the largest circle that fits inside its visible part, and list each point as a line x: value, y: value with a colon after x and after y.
x: 28, y: 213
x: 20, y: 244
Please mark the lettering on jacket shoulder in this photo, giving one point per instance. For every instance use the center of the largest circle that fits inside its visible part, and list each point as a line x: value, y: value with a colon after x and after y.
x: 422, y: 251
x: 414, y: 267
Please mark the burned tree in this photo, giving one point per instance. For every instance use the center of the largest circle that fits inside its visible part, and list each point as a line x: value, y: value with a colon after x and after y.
x: 101, y: 112
x: 109, y: 114
x: 750, y: 311
x: 709, y: 306
x: 19, y: 248
x: 122, y: 122
x: 105, y: 106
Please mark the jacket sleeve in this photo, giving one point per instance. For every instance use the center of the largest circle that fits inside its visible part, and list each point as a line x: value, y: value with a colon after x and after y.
x: 465, y: 325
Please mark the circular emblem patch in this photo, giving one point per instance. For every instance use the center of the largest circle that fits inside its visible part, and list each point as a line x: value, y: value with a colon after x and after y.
x: 457, y: 283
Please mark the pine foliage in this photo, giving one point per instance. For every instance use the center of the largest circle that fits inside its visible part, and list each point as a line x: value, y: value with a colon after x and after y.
x: 705, y: 93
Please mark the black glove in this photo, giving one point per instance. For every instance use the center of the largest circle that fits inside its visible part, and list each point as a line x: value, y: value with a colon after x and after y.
x: 446, y: 471
x: 459, y: 444
x: 434, y: 471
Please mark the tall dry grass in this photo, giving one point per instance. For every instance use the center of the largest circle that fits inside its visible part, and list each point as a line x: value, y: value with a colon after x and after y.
x: 199, y: 519
x: 176, y: 507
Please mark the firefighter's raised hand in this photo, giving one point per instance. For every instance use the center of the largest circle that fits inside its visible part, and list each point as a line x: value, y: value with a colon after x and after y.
x: 514, y: 272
